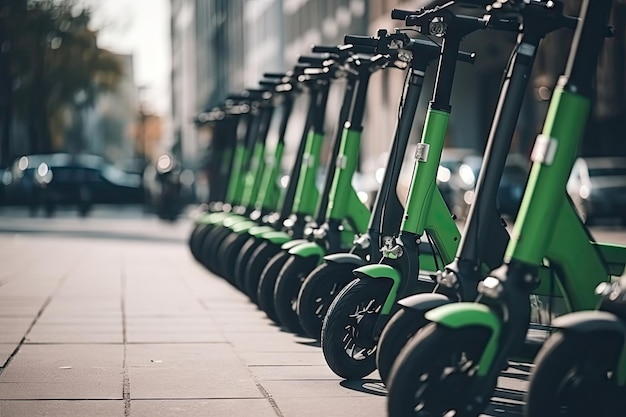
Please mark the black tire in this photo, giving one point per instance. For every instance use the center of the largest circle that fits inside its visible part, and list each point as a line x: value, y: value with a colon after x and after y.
x: 435, y: 371
x: 255, y: 266
x: 318, y: 291
x: 572, y: 377
x: 197, y: 238
x: 210, y: 245
x: 403, y: 325
x: 348, y: 340
x: 241, y: 262
x: 267, y: 283
x: 228, y: 252
x: 290, y: 279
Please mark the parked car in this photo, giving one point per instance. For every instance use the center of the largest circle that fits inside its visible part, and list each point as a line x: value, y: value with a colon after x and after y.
x: 510, y: 190
x: 81, y: 180
x: 597, y: 186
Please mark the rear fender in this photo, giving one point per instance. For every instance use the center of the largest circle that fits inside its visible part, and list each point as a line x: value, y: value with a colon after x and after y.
x: 459, y: 315
x: 378, y: 271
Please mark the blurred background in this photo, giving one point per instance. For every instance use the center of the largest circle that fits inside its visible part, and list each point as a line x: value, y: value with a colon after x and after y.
x: 104, y: 93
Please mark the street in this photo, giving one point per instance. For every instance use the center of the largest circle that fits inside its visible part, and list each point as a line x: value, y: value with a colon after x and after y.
x: 110, y: 316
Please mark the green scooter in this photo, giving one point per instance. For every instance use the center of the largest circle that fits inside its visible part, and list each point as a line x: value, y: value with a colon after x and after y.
x: 467, y: 344
x: 356, y: 317
x: 345, y: 214
x: 484, y: 237
x: 327, y: 279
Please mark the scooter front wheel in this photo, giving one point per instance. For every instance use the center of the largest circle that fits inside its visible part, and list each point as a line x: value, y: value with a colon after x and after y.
x: 267, y: 282
x: 435, y: 371
x: 241, y: 262
x: 574, y: 377
x: 403, y: 325
x: 348, y: 341
x: 287, y: 287
x: 318, y: 291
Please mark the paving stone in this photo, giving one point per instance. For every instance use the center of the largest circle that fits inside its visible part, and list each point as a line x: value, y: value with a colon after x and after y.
x: 64, y: 372
x: 76, y: 333
x: 318, y: 388
x: 202, y: 408
x: 188, y: 371
x: 13, y: 329
x: 287, y: 373
x: 315, y: 406
x: 254, y: 358
x: 6, y: 349
x: 51, y: 408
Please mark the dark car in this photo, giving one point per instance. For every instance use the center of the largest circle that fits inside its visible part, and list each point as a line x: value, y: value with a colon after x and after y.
x: 597, y: 186
x: 82, y: 180
x: 510, y: 190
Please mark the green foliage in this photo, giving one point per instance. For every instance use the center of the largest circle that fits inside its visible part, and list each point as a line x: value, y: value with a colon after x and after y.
x: 54, y: 60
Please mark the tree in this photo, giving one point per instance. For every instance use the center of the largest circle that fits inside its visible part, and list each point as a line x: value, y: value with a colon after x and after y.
x: 54, y: 59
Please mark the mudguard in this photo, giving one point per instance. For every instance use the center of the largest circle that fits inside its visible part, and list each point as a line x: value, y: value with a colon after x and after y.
x: 458, y: 315
x: 233, y: 219
x: 212, y: 218
x: 377, y: 271
x: 290, y: 244
x: 345, y: 258
x: 275, y: 237
x: 424, y: 302
x: 259, y: 230
x: 242, y: 227
x: 308, y: 249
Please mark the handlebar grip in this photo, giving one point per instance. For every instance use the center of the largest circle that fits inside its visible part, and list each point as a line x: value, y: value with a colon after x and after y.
x: 398, y: 14
x: 505, y: 24
x: 312, y: 60
x: 275, y: 74
x: 360, y: 40
x: 468, y: 57
x: 270, y: 83
x: 324, y: 49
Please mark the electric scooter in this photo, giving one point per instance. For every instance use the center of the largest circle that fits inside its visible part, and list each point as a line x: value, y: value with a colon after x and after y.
x: 467, y: 344
x: 484, y: 237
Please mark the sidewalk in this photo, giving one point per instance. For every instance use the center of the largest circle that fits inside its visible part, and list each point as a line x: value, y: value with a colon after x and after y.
x: 113, y: 317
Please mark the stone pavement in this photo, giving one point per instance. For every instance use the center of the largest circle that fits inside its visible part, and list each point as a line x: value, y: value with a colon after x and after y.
x: 111, y: 316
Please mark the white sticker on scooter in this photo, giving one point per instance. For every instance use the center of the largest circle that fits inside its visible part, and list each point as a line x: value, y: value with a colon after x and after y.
x: 421, y: 152
x: 544, y: 150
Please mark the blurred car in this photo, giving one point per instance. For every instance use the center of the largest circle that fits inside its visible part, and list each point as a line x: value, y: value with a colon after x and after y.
x: 451, y: 159
x: 82, y: 180
x: 597, y: 186
x: 510, y: 189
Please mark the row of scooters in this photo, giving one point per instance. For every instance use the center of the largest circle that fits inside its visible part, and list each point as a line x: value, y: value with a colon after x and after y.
x: 396, y: 286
